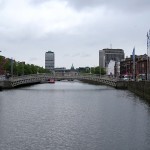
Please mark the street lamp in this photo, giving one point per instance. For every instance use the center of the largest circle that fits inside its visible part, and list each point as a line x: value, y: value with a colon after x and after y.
x: 12, y: 67
x: 23, y: 68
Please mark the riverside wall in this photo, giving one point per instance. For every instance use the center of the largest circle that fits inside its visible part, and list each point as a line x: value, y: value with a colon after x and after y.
x: 141, y: 88
x: 5, y: 85
x: 121, y: 85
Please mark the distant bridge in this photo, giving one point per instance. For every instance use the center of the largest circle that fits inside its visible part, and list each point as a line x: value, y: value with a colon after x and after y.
x: 42, y: 78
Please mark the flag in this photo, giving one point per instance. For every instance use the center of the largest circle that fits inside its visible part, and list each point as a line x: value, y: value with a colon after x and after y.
x: 133, y: 54
x: 147, y: 39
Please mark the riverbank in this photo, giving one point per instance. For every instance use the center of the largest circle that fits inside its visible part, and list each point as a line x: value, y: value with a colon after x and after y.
x: 141, y: 88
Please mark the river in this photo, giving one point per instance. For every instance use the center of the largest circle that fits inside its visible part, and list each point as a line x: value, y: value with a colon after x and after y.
x: 73, y: 116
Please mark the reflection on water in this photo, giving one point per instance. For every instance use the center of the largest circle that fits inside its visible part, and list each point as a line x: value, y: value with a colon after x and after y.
x: 72, y: 116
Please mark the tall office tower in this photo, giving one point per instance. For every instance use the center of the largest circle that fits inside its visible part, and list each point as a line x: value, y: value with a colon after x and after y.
x: 49, y: 60
x: 105, y: 55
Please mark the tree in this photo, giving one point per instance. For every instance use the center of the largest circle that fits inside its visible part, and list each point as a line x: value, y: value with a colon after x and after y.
x: 7, y: 65
x: 98, y: 70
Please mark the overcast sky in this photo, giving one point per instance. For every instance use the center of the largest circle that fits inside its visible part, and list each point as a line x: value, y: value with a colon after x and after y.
x: 75, y: 30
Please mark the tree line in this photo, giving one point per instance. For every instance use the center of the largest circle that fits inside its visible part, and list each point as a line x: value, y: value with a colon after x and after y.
x: 7, y: 66
x: 92, y: 70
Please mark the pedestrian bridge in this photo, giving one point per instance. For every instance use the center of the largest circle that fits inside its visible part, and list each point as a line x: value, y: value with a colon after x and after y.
x: 42, y: 78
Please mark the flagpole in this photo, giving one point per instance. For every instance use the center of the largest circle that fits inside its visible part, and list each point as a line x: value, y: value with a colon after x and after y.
x: 148, y: 34
x: 147, y: 55
x: 133, y: 57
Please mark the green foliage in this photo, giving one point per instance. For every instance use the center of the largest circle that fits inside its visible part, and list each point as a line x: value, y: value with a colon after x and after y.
x: 98, y: 70
x: 7, y: 65
x: 83, y: 70
x: 20, y: 68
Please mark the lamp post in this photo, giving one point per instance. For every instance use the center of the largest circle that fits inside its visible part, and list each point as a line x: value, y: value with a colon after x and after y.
x: 23, y: 68
x: 12, y: 67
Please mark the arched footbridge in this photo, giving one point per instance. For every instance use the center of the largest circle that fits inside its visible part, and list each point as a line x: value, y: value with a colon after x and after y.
x: 42, y: 78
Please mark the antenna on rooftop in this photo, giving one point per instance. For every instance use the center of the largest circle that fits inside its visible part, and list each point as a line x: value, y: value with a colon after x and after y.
x: 110, y: 46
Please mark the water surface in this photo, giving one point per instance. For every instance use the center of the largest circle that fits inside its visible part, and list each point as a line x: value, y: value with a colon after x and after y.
x: 73, y: 116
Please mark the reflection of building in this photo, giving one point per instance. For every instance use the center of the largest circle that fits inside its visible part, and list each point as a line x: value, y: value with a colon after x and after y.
x: 49, y: 60
x: 106, y: 55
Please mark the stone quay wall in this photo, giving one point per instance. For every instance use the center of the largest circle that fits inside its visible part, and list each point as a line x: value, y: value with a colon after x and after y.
x: 141, y: 88
x: 5, y: 84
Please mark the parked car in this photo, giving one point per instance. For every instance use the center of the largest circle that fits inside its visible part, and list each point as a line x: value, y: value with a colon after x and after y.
x: 125, y: 79
x: 141, y: 77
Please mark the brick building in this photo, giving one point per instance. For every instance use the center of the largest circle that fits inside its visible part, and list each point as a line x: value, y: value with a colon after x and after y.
x: 126, y: 66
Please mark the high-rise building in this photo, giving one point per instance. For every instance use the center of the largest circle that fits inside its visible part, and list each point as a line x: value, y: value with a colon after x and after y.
x: 106, y: 55
x: 49, y: 60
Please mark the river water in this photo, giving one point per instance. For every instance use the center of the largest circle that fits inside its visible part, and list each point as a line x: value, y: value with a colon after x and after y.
x: 73, y: 116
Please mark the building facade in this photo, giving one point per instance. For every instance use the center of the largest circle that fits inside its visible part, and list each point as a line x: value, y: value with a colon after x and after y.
x: 126, y: 66
x: 117, y: 69
x: 49, y: 60
x: 60, y: 71
x: 106, y: 55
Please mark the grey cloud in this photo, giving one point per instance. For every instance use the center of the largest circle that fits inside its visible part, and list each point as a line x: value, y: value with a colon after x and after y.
x: 85, y: 55
x: 33, y: 60
x: 76, y: 55
x: 120, y: 30
x: 129, y: 5
x: 66, y: 55
x: 80, y: 55
x: 38, y: 1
